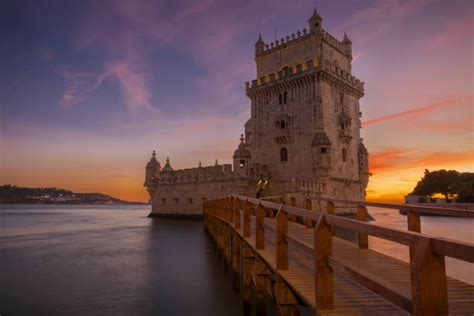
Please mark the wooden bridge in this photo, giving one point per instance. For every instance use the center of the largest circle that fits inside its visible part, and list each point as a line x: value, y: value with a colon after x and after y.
x: 292, y: 256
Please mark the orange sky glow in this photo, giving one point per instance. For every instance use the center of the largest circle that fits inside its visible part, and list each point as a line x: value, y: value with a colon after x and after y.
x: 84, y: 111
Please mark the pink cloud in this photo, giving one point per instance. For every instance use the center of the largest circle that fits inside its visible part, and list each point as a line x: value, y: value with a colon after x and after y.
x: 454, y: 32
x: 421, y: 110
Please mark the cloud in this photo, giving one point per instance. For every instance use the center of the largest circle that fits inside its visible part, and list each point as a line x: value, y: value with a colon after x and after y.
x: 453, y: 33
x: 421, y: 110
x: 401, y: 159
x: 78, y: 86
x: 134, y: 85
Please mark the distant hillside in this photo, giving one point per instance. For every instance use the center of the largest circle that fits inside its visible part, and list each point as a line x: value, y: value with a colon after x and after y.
x: 11, y: 194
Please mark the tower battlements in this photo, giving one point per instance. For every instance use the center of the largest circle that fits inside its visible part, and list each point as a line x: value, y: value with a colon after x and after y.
x: 326, y: 70
x: 197, y: 175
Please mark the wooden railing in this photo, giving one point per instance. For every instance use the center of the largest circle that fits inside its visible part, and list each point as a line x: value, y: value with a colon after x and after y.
x: 427, y: 253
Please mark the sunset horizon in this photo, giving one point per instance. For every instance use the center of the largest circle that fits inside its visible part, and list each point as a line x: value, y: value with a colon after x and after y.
x: 84, y: 105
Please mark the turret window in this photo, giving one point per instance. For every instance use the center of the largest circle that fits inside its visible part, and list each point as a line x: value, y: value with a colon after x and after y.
x: 283, y: 154
x: 241, y: 163
x: 323, y: 150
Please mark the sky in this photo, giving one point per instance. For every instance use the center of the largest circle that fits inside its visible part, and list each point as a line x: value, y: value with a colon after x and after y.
x: 89, y: 88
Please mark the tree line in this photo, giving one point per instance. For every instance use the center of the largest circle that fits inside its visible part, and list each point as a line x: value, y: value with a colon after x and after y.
x: 450, y: 183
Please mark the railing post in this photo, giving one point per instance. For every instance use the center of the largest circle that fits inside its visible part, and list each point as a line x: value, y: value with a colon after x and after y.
x: 247, y: 210
x: 331, y: 210
x: 236, y: 251
x: 428, y: 280
x: 237, y: 207
x: 309, y: 206
x: 259, y: 228
x: 281, y: 242
x: 230, y: 210
x: 362, y: 215
x: 324, y: 284
x: 292, y: 217
x: 414, y: 225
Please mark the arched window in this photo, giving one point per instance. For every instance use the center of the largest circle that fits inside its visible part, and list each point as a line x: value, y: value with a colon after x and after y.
x: 283, y: 154
x: 285, y: 97
x: 280, y: 98
x: 344, y: 154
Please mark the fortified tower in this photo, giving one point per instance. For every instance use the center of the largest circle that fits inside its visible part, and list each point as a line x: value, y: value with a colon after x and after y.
x: 302, y: 139
x: 305, y: 115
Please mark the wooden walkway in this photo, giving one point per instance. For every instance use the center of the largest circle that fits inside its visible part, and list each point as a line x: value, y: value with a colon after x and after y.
x: 277, y: 249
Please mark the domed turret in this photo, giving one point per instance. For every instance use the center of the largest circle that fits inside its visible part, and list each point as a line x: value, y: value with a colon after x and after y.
x: 167, y: 167
x: 152, y: 174
x: 259, y: 46
x: 315, y: 22
x: 363, y: 156
x: 241, y: 158
x: 320, y: 139
x: 348, y: 43
x: 321, y: 146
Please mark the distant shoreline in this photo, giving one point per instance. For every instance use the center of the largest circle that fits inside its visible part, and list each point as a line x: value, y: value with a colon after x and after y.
x: 104, y: 204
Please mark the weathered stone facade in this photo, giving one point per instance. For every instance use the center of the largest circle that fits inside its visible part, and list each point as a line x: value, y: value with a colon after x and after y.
x: 303, y: 137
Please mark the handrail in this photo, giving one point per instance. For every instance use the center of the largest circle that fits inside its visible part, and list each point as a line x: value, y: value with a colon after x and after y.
x: 408, y: 207
x: 426, y: 252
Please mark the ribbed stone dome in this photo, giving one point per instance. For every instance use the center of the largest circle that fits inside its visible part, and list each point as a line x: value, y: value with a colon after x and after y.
x: 320, y: 138
x: 362, y: 149
x: 242, y: 151
x: 153, y: 163
x: 167, y: 166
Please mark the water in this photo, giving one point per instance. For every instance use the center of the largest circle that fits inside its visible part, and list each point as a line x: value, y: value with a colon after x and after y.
x: 113, y: 260
x: 108, y: 260
x: 461, y: 229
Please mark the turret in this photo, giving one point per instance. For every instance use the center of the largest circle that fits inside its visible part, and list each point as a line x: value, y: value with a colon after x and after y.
x: 315, y: 22
x: 242, y: 159
x: 363, y: 156
x: 167, y: 167
x: 321, y: 148
x: 259, y: 46
x: 347, y: 43
x: 152, y: 175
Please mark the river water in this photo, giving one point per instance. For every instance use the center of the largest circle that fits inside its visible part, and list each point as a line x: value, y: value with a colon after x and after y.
x: 113, y: 260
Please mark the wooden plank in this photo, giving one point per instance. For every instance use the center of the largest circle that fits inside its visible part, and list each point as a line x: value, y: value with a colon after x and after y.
x: 282, y: 243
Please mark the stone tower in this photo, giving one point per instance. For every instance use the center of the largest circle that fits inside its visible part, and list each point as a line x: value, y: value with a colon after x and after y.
x: 301, y: 141
x: 305, y: 116
x: 152, y: 175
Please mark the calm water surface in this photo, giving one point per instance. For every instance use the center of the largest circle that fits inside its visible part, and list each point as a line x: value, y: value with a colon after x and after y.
x: 113, y: 260
x: 448, y: 227
x: 57, y: 260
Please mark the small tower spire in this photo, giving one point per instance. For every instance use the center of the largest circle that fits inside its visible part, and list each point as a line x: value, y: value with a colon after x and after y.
x: 242, y: 139
x: 200, y: 164
x: 153, y: 153
x: 315, y: 22
x: 217, y: 163
x: 259, y: 45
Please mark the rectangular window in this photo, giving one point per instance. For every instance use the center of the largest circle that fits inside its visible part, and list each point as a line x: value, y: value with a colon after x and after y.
x: 285, y: 97
x: 176, y: 200
x: 190, y: 201
x: 280, y: 98
x: 323, y: 150
x: 163, y: 201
